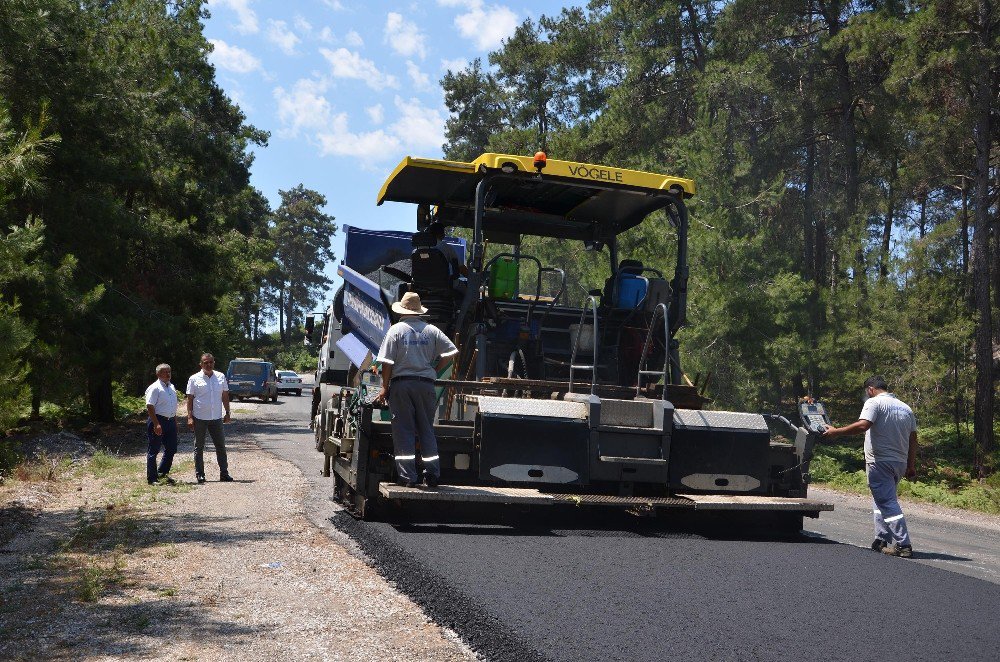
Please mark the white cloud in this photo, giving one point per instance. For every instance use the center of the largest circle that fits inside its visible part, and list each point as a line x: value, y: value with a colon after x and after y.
x: 326, y: 34
x: 404, y: 36
x: 354, y: 39
x: 454, y: 66
x: 247, y: 17
x: 418, y: 129
x: 335, y: 5
x: 420, y: 80
x: 338, y: 140
x: 348, y: 64
x: 302, y: 25
x: 303, y: 107
x: 232, y: 58
x: 485, y: 25
x: 279, y: 34
x: 375, y: 113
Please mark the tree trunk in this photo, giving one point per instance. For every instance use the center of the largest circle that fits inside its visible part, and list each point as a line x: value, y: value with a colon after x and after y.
x: 848, y: 136
x: 281, y: 312
x: 102, y: 406
x: 922, y: 223
x: 36, y: 405
x: 890, y: 212
x: 965, y: 227
x: 983, y: 410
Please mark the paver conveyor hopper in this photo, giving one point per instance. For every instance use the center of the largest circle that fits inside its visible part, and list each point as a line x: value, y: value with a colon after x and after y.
x: 547, y: 402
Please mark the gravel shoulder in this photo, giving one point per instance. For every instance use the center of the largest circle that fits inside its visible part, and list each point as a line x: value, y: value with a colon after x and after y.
x: 109, y: 568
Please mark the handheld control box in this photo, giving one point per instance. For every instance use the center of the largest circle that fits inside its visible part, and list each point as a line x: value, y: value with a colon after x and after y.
x: 814, y: 416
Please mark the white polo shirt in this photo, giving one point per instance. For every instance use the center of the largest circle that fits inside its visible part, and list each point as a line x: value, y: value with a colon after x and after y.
x: 207, y: 392
x: 163, y: 397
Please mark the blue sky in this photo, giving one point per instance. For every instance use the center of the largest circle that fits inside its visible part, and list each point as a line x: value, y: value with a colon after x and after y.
x: 348, y: 88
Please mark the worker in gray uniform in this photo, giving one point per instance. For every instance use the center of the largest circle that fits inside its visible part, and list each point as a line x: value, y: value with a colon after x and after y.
x: 890, y: 430
x: 412, y: 354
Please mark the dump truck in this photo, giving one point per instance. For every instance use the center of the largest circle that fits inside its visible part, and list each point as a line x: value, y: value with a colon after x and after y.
x: 549, y: 401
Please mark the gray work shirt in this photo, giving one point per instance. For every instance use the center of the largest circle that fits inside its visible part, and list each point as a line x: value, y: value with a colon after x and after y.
x: 888, y: 439
x: 412, y: 347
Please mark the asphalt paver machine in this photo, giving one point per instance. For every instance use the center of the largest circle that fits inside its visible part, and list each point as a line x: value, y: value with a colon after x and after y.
x: 549, y: 401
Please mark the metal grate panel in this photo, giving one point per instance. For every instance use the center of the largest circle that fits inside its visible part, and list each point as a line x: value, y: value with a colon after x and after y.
x: 627, y: 413
x: 723, y: 420
x: 489, y: 404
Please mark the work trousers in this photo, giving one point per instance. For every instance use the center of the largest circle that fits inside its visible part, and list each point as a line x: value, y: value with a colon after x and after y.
x: 412, y: 405
x: 214, y: 428
x: 153, y: 442
x: 883, y: 478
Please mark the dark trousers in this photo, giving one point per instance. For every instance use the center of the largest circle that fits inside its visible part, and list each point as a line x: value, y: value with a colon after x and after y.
x: 169, y: 442
x: 412, y: 404
x: 214, y: 429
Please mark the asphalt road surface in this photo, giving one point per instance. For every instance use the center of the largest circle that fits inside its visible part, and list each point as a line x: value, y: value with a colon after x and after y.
x: 559, y: 587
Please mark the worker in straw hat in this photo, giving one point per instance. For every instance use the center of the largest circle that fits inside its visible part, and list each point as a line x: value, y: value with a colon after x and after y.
x: 412, y: 354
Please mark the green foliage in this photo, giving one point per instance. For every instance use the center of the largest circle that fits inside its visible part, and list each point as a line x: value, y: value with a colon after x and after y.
x: 116, y: 136
x: 834, y: 155
x: 301, y: 233
x: 299, y: 358
x: 126, y: 406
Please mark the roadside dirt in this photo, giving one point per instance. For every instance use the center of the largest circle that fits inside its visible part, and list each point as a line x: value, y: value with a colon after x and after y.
x: 108, y: 568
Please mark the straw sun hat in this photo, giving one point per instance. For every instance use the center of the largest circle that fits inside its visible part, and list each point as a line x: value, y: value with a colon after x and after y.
x: 409, y: 305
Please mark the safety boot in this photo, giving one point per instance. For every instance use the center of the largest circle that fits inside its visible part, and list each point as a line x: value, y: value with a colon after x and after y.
x: 902, y: 551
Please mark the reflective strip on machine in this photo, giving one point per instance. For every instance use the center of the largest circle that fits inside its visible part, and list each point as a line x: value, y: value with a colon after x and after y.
x: 893, y: 518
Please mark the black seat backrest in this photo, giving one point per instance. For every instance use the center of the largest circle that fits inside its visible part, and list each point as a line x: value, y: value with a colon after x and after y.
x: 430, y: 270
x: 423, y: 240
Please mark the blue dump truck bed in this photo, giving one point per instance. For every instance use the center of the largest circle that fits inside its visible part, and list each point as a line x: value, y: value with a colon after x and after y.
x: 367, y: 289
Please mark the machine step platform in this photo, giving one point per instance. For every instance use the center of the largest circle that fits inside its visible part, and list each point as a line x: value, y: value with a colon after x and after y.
x: 529, y: 496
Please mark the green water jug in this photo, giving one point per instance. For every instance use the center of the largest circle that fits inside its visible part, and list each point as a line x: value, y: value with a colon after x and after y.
x: 503, y: 278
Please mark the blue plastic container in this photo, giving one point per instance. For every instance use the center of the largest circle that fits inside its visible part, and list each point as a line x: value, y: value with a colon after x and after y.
x: 631, y: 290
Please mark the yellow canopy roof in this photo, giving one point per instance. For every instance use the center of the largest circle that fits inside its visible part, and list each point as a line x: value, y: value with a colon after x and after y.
x: 568, y: 199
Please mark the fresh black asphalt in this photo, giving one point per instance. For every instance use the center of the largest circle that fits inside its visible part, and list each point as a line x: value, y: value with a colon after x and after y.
x: 572, y: 587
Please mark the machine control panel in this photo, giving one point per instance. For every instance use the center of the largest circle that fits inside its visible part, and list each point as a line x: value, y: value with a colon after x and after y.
x: 814, y: 416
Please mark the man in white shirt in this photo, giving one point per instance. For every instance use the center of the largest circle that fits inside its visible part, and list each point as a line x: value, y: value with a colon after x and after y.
x: 161, y: 428
x: 207, y: 397
x: 890, y: 430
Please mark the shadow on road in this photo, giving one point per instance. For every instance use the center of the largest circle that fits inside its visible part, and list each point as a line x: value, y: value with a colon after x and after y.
x: 593, y: 522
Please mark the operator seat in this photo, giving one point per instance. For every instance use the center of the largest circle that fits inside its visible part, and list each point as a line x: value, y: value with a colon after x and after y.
x: 626, y: 267
x: 432, y: 279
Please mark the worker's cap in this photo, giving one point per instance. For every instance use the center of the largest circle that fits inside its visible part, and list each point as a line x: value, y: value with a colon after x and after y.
x: 409, y: 305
